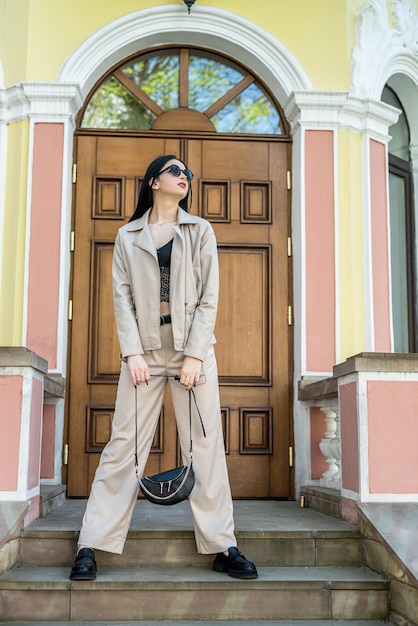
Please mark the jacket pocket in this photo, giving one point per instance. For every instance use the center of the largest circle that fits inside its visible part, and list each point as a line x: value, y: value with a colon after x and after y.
x: 189, y: 311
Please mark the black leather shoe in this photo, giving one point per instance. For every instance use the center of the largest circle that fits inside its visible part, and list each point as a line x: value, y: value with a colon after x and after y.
x: 235, y: 564
x: 84, y: 567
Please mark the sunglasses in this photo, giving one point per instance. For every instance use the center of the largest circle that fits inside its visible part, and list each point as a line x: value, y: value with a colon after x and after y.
x: 175, y: 170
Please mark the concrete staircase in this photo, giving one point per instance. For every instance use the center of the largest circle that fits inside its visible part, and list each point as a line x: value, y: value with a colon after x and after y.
x: 309, y: 566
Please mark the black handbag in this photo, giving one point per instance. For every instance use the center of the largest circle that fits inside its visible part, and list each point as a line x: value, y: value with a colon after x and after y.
x: 174, y: 485
x: 169, y: 487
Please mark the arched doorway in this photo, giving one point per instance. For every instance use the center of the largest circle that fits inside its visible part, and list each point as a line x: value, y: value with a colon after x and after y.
x: 402, y: 231
x: 217, y: 117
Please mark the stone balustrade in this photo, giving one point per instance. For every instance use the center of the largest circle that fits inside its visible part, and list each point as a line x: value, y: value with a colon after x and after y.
x: 370, y: 429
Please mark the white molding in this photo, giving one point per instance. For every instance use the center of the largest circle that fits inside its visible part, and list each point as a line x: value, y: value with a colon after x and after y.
x: 301, y: 412
x: 28, y: 376
x: 65, y: 254
x: 381, y: 51
x: 330, y: 110
x: 28, y: 225
x: 59, y: 404
x: 206, y: 26
x: 388, y: 246
x: 368, y: 286
x: 363, y: 434
x: 315, y: 109
x: 392, y: 376
x: 46, y: 101
x: 337, y: 307
x: 389, y: 497
x: 350, y: 495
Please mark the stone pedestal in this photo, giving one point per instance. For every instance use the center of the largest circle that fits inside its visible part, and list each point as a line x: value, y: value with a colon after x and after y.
x: 378, y: 399
x: 21, y: 399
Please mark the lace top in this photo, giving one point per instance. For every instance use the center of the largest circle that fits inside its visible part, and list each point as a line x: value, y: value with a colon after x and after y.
x: 164, y: 261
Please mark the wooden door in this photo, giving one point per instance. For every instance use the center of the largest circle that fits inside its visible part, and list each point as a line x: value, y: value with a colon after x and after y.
x: 240, y: 186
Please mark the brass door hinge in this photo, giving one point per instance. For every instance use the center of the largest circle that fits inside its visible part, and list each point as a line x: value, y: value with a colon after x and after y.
x: 74, y: 174
x: 290, y: 456
x: 289, y: 180
x: 65, y: 455
x: 70, y: 310
x: 72, y: 241
x: 289, y: 246
x: 289, y: 315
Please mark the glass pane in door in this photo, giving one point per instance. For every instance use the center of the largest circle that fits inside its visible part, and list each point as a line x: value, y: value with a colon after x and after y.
x: 398, y: 238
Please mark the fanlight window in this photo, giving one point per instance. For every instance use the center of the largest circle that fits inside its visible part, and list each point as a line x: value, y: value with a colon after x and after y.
x: 226, y: 98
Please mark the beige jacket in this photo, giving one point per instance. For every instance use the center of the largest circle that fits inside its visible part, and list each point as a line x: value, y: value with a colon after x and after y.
x: 194, y: 286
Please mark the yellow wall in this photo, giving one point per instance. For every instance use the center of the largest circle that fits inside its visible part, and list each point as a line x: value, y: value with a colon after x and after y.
x: 37, y: 36
x: 13, y: 39
x: 14, y: 234
x: 350, y: 293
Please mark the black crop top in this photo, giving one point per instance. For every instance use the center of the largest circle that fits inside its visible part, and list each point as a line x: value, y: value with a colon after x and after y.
x: 164, y: 261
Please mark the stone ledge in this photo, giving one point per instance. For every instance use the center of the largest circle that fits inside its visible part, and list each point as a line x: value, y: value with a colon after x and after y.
x: 326, y: 388
x: 54, y: 386
x: 395, y: 525
x: 377, y: 362
x: 13, y: 356
x: 11, y: 520
x: 52, y: 496
x: 389, y: 547
x: 322, y: 499
x: 313, y: 389
x: 11, y: 523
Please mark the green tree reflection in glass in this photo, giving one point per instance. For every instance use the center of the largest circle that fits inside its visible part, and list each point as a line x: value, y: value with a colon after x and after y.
x: 112, y: 106
x: 209, y: 80
x: 250, y: 112
x: 158, y: 76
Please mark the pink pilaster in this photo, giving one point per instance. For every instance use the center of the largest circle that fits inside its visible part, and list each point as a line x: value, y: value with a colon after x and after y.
x: 380, y: 246
x: 45, y: 237
x: 320, y: 251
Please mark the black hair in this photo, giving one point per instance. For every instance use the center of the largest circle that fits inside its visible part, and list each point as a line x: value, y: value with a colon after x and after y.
x: 145, y: 198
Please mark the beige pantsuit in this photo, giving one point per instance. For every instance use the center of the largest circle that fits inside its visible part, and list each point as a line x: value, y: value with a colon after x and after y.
x: 115, y: 487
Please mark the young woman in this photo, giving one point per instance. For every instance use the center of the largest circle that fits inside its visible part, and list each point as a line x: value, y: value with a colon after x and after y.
x: 165, y: 290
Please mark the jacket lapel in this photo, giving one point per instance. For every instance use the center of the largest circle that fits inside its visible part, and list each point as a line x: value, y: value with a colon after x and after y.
x: 144, y: 238
x: 180, y: 244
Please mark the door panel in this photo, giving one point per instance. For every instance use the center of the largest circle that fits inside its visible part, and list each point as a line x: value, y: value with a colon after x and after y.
x: 244, y: 314
x: 243, y: 192
x: 240, y: 186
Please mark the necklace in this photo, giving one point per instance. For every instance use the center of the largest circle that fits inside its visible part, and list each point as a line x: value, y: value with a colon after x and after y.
x: 163, y: 223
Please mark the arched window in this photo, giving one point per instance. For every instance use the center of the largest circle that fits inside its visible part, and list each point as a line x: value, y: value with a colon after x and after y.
x: 182, y: 89
x: 402, y: 232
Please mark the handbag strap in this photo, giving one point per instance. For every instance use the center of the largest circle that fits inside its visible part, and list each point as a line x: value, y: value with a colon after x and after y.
x: 191, y: 393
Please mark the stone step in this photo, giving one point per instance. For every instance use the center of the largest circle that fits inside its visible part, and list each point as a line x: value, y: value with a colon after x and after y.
x: 194, y: 594
x: 267, y: 549
x: 216, y: 623
x: 272, y: 534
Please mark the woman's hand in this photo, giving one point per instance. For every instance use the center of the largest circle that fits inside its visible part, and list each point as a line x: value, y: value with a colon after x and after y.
x: 138, y: 369
x: 190, y: 372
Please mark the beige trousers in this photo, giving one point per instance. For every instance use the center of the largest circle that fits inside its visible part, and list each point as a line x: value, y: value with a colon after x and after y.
x: 115, y: 487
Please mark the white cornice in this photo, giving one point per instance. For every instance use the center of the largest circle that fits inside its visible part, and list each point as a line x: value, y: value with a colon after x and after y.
x: 373, y: 117
x: 340, y: 110
x: 209, y: 27
x: 46, y: 100
x: 315, y: 109
x: 381, y: 51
